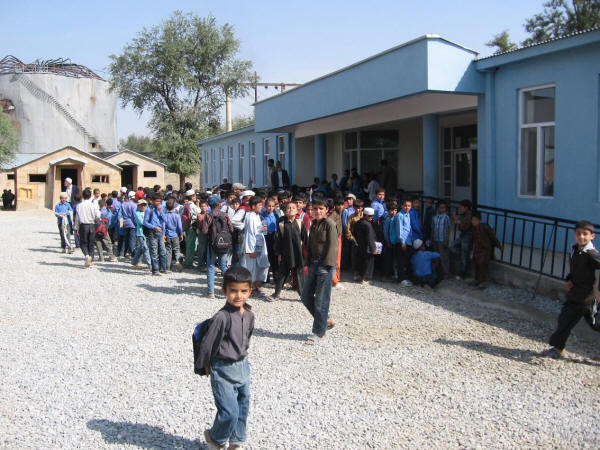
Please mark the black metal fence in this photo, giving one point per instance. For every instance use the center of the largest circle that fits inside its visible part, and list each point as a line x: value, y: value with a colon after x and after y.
x: 533, y: 242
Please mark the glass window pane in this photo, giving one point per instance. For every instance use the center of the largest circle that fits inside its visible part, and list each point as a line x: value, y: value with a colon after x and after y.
x: 463, y: 169
x: 350, y: 160
x: 267, y: 156
x: 350, y: 141
x: 528, y: 161
x: 447, y: 189
x: 370, y: 161
x: 548, y: 181
x: 281, y: 157
x: 465, y: 136
x: 538, y: 105
x: 378, y: 139
x: 447, y: 139
x: 447, y: 173
x: 447, y: 158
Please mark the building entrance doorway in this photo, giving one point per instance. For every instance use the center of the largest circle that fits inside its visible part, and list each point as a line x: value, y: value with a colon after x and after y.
x: 127, y: 176
x: 459, y: 163
x: 68, y: 173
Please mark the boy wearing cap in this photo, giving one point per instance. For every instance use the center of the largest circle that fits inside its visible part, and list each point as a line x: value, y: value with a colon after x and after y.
x: 421, y: 261
x: 64, y: 211
x: 584, y: 261
x: 141, y: 247
x: 127, y: 223
x: 364, y: 234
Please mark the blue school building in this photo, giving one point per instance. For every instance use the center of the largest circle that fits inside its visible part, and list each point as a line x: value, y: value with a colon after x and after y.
x: 518, y: 130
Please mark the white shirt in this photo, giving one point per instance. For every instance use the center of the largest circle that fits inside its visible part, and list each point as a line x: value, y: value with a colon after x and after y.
x: 87, y: 213
x: 68, y: 191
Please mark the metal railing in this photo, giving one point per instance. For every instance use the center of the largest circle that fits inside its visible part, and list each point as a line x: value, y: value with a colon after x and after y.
x: 532, y: 242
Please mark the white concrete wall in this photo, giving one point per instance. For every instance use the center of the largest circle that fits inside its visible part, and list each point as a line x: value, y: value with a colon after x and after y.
x: 305, y: 161
x: 43, y: 128
x: 410, y: 156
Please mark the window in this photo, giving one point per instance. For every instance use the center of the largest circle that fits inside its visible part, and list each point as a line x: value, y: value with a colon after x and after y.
x: 230, y: 165
x: 281, y: 151
x: 536, y: 147
x: 242, y: 158
x: 253, y: 161
x: 222, y: 165
x: 267, y: 156
x: 150, y: 174
x: 213, y: 164
x: 35, y: 178
x: 364, y: 150
x: 99, y: 178
x: 10, y: 176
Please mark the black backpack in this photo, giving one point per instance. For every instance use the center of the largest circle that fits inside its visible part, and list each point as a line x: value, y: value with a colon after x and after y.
x: 220, y: 236
x: 197, y: 337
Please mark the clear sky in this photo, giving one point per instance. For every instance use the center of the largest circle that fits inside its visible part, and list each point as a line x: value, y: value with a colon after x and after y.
x: 287, y: 41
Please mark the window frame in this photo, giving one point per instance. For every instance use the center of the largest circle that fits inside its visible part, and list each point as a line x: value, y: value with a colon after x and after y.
x: 230, y: 163
x: 221, y: 166
x: 101, y: 179
x: 155, y: 172
x: 266, y: 157
x: 539, y: 127
x: 252, y: 175
x: 280, y: 152
x: 242, y: 152
x: 29, y: 175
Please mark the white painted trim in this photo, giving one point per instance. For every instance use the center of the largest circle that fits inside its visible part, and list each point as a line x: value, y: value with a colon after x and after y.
x: 538, y: 126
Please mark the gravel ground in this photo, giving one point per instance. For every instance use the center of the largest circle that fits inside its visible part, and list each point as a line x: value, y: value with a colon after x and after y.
x: 101, y: 357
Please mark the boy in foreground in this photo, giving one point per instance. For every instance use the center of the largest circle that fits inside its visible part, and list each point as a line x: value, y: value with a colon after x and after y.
x: 223, y: 354
x: 584, y: 260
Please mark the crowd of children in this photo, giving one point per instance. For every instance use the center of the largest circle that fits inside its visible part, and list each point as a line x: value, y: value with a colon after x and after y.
x: 303, y: 238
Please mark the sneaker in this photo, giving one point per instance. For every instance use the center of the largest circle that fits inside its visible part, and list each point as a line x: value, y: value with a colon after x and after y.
x: 71, y: 251
x: 406, y: 283
x: 210, y: 295
x: 88, y: 262
x: 212, y: 445
x: 137, y: 267
x: 156, y: 274
x: 340, y: 286
x: 64, y: 250
x: 270, y: 298
x: 553, y: 353
x: 366, y: 282
x: 113, y: 259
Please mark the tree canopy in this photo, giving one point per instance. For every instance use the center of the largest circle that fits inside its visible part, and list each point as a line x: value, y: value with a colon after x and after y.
x: 180, y: 71
x: 138, y: 144
x: 9, y: 140
x: 557, y: 19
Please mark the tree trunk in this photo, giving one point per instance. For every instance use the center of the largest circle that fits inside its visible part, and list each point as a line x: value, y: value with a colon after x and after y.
x: 181, y: 181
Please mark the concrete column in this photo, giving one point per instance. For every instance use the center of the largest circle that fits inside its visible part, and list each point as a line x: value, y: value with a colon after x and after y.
x: 321, y: 156
x: 430, y: 155
x: 486, y: 143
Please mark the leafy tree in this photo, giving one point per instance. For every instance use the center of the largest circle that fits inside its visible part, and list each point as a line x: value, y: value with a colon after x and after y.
x: 242, y: 121
x: 180, y: 72
x: 561, y: 17
x: 9, y: 140
x: 138, y: 144
x: 502, y: 42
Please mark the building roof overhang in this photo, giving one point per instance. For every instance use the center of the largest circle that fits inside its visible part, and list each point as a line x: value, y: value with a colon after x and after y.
x: 131, y: 152
x: 427, y: 64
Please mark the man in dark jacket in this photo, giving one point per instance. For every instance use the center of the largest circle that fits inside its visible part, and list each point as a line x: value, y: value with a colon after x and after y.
x: 388, y: 178
x: 322, y: 256
x: 280, y: 178
x: 365, y: 240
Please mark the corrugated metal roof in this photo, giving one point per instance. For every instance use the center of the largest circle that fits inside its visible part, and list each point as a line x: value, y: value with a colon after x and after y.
x: 20, y: 159
x: 567, y: 36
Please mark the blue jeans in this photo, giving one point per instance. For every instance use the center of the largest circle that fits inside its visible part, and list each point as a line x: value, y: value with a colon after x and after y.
x: 212, y: 258
x: 128, y: 242
x: 316, y: 295
x: 466, y: 245
x: 230, y: 383
x: 158, y: 252
x: 202, y: 249
x: 141, y: 249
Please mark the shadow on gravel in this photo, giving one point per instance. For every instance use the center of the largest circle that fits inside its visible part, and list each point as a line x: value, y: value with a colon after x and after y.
x: 270, y: 334
x: 171, y: 290
x: 140, y: 435
x: 515, y: 354
x: 63, y: 264
x: 45, y: 250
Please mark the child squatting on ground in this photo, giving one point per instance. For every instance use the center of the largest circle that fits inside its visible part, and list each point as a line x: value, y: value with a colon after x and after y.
x: 224, y: 355
x: 583, y: 261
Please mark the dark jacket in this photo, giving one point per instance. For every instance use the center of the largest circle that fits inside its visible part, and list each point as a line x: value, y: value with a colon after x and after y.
x: 284, y: 176
x: 583, y: 262
x: 365, y: 236
x: 323, y: 242
x: 223, y: 343
x: 484, y: 241
x: 288, y: 242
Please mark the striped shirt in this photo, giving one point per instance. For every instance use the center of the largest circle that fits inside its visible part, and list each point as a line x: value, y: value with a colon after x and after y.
x: 441, y: 224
